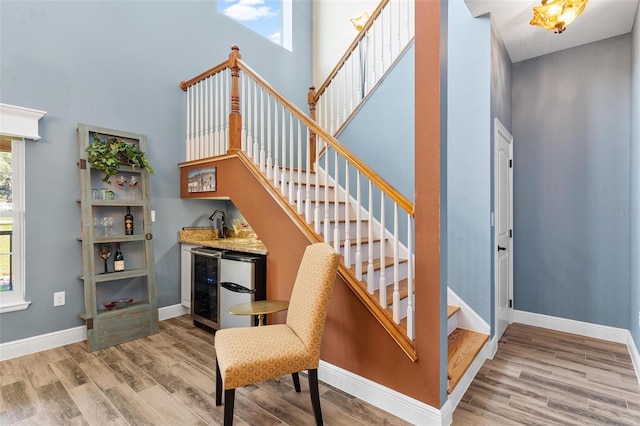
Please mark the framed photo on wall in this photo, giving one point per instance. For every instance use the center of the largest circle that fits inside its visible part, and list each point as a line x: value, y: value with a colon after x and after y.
x: 201, y: 180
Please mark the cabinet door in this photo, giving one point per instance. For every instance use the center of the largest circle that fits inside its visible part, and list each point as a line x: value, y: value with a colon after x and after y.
x: 185, y: 274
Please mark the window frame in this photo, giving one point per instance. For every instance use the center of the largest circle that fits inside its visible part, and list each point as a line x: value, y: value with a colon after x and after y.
x: 15, y: 299
x: 17, y: 124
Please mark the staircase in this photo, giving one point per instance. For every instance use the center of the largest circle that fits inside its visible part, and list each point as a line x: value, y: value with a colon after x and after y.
x: 336, y: 198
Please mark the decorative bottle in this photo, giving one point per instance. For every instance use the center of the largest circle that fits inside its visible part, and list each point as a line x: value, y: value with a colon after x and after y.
x: 128, y: 222
x: 118, y: 260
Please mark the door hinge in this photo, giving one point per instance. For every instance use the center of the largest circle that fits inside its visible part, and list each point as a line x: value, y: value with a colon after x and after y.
x: 510, y: 233
x: 510, y: 303
x: 510, y: 164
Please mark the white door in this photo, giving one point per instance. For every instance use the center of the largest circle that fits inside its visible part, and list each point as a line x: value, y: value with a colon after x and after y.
x: 503, y: 229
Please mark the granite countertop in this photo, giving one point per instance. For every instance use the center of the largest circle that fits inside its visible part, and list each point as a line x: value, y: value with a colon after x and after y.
x: 207, y: 237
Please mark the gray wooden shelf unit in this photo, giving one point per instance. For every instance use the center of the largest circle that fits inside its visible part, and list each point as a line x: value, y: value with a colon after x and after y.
x: 138, y: 281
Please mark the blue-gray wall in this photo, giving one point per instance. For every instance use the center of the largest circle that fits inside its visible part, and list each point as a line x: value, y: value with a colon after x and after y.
x: 469, y: 158
x: 116, y: 65
x: 571, y: 125
x: 635, y: 182
x: 387, y: 146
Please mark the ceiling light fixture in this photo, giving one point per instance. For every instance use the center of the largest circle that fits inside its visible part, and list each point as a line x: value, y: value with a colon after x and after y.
x: 360, y: 21
x: 557, y: 14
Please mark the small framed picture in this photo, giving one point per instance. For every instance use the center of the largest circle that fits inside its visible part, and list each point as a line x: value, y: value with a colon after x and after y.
x: 202, y: 180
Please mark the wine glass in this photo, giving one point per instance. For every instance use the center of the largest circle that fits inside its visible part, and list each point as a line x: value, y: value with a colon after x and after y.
x: 105, y: 252
x: 133, y: 182
x: 237, y: 226
x: 107, y: 223
x: 121, y: 181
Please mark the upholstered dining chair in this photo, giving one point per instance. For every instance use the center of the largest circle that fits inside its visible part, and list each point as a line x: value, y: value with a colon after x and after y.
x: 253, y: 354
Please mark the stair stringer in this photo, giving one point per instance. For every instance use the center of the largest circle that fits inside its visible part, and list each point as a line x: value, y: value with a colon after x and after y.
x: 382, y: 316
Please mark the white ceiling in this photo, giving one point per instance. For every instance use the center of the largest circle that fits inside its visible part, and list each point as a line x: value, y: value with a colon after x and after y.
x: 601, y: 19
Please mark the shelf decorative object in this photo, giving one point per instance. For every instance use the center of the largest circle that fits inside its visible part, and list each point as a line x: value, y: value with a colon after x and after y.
x: 108, y: 155
x: 110, y: 313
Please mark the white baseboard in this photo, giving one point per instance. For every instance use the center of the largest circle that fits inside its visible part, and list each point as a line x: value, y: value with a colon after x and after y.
x: 171, y: 311
x: 54, y: 339
x: 394, y: 402
x: 596, y: 331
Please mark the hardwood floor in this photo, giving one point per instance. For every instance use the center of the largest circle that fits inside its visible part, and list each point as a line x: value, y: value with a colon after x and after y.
x: 163, y: 379
x: 544, y: 377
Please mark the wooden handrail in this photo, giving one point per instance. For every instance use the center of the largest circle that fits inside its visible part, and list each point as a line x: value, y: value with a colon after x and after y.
x: 376, y: 179
x: 351, y: 48
x: 184, y: 85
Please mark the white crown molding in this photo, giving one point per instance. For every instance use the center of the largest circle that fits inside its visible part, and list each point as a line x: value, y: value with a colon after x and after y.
x: 20, y: 122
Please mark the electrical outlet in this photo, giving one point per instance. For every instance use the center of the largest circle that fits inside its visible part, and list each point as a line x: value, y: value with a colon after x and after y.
x: 58, y: 298
x: 153, y: 215
x: 638, y: 318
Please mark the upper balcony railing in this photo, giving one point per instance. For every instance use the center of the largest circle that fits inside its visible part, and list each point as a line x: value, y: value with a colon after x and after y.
x: 381, y: 41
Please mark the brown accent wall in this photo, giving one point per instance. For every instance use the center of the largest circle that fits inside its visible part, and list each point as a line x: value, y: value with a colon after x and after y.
x: 354, y: 340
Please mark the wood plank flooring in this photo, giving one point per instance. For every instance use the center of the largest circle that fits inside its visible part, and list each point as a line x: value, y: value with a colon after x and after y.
x: 164, y: 379
x: 545, y: 377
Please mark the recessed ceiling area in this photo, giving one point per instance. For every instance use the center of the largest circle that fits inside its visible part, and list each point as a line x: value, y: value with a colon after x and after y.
x: 601, y: 19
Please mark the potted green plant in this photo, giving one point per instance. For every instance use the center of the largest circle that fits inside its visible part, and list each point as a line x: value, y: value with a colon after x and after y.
x: 110, y: 154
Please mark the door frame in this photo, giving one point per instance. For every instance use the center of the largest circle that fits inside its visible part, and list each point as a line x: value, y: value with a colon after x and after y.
x: 500, y: 129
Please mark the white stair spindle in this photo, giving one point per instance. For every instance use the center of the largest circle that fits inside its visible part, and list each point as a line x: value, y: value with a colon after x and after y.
x: 243, y: 108
x: 336, y: 207
x: 262, y: 137
x: 370, y: 269
x: 307, y: 203
x: 347, y: 232
x: 382, y: 286
x: 410, y: 301
x: 211, y: 103
x: 327, y: 222
x: 256, y: 147
x: 187, y: 141
x: 396, y: 267
x: 276, y: 148
x: 299, y: 166
x: 358, y: 260
x: 316, y: 210
x: 291, y: 169
x: 269, y: 165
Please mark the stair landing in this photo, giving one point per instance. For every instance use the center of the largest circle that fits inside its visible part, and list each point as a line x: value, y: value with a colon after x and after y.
x: 463, y: 347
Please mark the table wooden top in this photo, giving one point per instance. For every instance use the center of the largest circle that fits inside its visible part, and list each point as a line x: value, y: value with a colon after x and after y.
x: 259, y: 307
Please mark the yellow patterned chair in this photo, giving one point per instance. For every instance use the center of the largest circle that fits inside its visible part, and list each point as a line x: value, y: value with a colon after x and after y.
x: 253, y: 354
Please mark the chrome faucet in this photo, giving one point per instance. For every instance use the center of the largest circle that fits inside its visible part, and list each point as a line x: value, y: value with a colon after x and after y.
x: 224, y: 229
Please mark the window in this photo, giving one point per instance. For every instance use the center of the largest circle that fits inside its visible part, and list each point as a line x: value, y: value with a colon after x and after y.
x: 11, y: 225
x: 271, y: 19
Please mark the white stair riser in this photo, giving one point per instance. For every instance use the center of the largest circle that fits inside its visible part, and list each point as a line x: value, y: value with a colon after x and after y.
x: 452, y: 323
x: 342, y: 212
x: 342, y: 226
x: 402, y: 274
x: 364, y: 250
x: 312, y: 194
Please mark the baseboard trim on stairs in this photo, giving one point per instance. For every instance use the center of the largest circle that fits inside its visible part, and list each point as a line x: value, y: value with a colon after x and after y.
x: 596, y: 331
x: 55, y: 339
x: 458, y: 392
x: 389, y: 400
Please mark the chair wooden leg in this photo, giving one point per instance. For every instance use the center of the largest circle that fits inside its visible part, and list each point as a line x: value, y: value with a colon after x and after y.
x: 315, y: 396
x: 218, y: 386
x: 296, y: 381
x: 229, y: 399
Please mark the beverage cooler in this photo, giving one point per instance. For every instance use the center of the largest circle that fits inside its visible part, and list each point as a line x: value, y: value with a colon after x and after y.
x: 221, y: 279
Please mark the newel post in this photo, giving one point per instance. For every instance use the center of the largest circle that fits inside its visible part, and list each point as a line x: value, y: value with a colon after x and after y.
x: 235, y: 118
x: 311, y: 100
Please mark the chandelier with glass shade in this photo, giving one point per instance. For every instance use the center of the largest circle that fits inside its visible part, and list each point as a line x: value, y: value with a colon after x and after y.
x: 557, y: 14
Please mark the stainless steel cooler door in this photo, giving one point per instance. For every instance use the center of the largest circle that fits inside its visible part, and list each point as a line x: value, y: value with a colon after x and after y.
x: 240, y: 272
